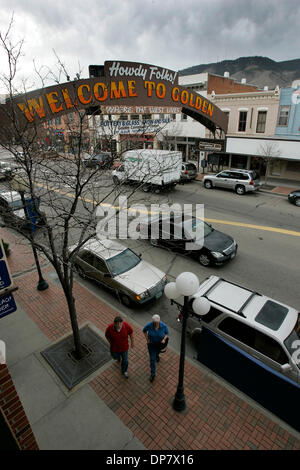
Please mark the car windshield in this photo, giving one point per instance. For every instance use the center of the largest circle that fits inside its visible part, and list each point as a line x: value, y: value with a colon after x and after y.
x: 197, y: 222
x: 292, y: 343
x: 15, y: 205
x: 190, y: 166
x: 123, y: 262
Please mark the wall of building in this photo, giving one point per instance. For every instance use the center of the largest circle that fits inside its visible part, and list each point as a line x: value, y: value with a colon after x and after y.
x: 252, y: 103
x: 12, y: 410
x: 222, y: 85
x: 290, y: 99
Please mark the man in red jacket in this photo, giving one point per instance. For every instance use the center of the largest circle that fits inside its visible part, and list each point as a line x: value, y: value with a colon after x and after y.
x: 117, y: 335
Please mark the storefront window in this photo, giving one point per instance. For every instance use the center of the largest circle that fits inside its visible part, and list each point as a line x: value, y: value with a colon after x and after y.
x: 238, y: 161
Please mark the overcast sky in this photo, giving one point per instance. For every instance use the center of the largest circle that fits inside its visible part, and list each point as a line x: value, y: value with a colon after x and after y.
x: 170, y: 33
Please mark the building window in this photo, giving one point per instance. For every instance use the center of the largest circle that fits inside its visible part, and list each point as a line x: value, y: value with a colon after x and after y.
x: 284, y: 112
x: 123, y: 117
x: 183, y: 117
x: 261, y: 121
x: 135, y: 117
x: 58, y: 121
x: 147, y: 116
x: 242, y: 121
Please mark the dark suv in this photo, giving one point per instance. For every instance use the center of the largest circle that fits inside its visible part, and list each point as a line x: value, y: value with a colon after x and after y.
x: 241, y: 181
x: 101, y: 160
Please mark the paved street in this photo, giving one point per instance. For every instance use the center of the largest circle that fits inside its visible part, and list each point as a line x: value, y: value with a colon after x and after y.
x: 267, y: 230
x: 105, y: 411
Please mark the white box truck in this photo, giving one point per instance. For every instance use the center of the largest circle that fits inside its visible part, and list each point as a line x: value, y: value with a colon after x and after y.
x: 153, y: 170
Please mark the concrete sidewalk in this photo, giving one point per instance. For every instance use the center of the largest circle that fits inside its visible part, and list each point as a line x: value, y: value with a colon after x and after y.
x: 106, y: 411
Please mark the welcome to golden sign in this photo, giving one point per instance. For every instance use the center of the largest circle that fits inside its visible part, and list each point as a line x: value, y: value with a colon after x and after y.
x: 123, y: 83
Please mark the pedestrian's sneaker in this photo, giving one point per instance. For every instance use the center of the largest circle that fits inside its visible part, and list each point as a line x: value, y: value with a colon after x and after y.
x: 157, y: 358
x: 126, y: 375
x: 152, y: 378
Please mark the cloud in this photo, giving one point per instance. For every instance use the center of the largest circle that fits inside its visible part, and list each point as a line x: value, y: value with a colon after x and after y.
x: 170, y: 34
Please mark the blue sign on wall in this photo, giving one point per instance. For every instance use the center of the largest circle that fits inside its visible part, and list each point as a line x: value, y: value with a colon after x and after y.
x: 7, y: 305
x: 5, y: 279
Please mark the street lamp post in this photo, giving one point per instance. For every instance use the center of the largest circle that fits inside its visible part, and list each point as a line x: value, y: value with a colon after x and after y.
x: 20, y: 187
x: 186, y: 284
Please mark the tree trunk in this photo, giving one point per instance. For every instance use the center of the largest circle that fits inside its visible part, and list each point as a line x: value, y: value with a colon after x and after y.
x: 78, y: 353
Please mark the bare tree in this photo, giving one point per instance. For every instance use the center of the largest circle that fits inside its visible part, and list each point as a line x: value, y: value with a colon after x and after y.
x: 64, y: 194
x: 269, y: 151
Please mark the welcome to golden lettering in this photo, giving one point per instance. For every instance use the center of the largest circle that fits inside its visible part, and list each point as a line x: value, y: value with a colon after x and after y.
x: 88, y: 93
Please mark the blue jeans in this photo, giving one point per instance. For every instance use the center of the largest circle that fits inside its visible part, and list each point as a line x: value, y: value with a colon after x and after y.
x: 153, y: 353
x: 123, y: 356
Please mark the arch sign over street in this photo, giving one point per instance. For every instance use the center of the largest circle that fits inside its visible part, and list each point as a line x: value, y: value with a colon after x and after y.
x: 125, y: 87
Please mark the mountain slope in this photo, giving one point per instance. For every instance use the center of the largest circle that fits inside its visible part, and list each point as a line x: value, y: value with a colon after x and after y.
x: 260, y: 71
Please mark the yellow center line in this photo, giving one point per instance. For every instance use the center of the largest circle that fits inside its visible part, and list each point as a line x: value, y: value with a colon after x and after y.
x: 255, y: 227
x: 215, y: 221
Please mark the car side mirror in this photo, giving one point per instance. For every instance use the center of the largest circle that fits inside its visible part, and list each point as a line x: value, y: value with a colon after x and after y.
x: 140, y: 255
x: 286, y: 367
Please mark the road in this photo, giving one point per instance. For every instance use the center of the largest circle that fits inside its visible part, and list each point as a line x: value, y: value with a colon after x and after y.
x: 267, y: 261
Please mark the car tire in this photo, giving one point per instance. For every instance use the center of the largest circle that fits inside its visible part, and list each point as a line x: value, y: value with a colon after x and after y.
x: 240, y: 190
x: 196, y: 338
x: 157, y: 190
x: 80, y: 271
x: 204, y: 259
x: 208, y: 184
x: 154, y: 241
x: 125, y: 300
x: 297, y: 202
x: 146, y: 188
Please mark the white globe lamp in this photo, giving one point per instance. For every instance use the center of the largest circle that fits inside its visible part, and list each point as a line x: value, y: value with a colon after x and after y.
x: 187, y: 283
x: 201, y: 306
x: 170, y: 291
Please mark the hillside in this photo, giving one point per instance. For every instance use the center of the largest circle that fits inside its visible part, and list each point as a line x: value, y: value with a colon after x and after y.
x: 260, y: 71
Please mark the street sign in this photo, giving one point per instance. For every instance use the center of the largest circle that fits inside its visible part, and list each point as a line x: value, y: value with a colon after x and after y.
x: 5, y: 279
x: 7, y: 305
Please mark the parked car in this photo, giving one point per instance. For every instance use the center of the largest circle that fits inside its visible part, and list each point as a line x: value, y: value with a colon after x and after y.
x: 101, y: 160
x: 188, y: 172
x: 5, y: 171
x: 260, y: 328
x: 294, y: 197
x: 119, y: 268
x: 175, y: 233
x: 241, y: 181
x: 13, y: 214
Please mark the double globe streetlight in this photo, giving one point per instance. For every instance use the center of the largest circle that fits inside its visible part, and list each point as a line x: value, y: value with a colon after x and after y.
x: 187, y: 284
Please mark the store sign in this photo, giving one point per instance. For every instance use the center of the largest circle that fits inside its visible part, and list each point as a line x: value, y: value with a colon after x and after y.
x: 124, y: 84
x: 133, y: 126
x: 7, y: 302
x: 7, y: 305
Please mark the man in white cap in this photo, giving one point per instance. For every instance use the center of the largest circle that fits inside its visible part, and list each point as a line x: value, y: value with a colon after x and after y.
x: 156, y: 333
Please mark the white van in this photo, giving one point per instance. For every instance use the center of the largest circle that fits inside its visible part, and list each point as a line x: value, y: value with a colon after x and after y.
x: 154, y: 170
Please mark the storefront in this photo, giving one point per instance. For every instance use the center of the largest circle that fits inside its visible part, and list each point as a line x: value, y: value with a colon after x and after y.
x: 279, y: 157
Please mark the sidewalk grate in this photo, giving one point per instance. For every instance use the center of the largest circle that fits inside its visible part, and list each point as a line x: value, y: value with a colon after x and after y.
x: 72, y: 371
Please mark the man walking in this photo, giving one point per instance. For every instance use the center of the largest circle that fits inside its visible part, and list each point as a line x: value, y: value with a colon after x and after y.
x: 117, y: 335
x: 156, y: 333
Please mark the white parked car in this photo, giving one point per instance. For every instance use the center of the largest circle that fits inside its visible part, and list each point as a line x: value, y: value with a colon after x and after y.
x: 262, y: 329
x: 241, y: 181
x: 119, y: 268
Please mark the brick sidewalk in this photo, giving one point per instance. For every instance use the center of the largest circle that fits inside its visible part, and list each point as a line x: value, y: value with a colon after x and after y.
x: 216, y: 417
